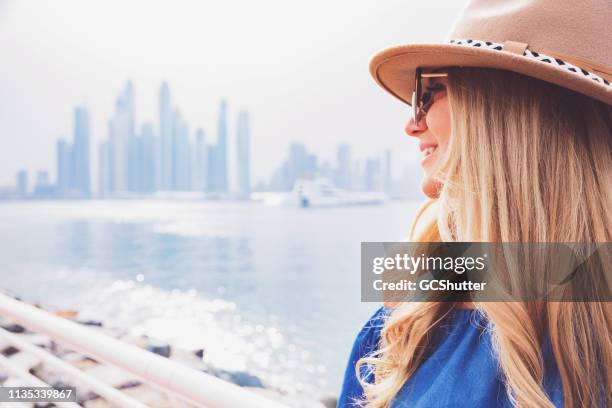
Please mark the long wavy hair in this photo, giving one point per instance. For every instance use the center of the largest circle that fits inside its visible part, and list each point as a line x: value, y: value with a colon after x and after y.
x: 527, y: 161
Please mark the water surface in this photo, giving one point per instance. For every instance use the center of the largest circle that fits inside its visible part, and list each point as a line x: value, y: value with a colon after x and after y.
x: 269, y: 290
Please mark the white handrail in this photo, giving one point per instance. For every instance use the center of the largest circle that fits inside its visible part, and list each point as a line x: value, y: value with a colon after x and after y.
x: 198, y: 387
x: 29, y: 379
x: 104, y: 390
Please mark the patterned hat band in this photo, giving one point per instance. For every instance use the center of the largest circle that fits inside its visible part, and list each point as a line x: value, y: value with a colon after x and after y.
x: 556, y: 62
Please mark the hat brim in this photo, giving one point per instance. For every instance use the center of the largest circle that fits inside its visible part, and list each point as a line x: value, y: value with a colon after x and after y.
x: 394, y: 68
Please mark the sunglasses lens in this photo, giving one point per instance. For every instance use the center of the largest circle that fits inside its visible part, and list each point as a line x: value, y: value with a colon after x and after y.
x: 422, y: 101
x: 426, y: 98
x: 416, y: 97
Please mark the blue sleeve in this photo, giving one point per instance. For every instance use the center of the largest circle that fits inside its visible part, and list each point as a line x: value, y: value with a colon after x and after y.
x: 366, y: 342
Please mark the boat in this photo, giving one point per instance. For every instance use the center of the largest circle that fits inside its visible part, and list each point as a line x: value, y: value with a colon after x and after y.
x: 321, y: 192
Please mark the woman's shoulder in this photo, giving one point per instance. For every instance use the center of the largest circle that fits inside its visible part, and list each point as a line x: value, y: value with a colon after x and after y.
x: 366, y: 342
x: 369, y: 336
x: 377, y: 319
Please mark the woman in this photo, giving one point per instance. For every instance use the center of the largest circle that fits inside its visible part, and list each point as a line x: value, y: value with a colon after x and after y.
x: 514, y: 120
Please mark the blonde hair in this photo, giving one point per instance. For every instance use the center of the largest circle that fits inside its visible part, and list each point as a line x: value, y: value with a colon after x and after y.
x: 527, y: 162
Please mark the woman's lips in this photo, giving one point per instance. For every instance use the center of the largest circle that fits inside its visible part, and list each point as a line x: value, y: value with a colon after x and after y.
x: 428, y: 151
x: 427, y: 148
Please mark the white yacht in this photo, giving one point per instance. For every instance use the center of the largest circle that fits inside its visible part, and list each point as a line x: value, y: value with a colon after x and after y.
x: 320, y: 192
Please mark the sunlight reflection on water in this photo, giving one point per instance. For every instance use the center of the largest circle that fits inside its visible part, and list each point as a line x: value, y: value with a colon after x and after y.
x: 272, y: 291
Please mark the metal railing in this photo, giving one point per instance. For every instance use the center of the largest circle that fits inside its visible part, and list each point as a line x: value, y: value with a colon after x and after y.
x: 29, y: 379
x: 109, y: 393
x: 193, y: 386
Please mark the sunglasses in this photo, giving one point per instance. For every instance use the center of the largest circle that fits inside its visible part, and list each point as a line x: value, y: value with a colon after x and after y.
x: 422, y: 101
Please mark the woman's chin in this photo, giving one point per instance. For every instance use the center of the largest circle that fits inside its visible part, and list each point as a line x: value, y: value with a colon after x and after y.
x: 430, y: 187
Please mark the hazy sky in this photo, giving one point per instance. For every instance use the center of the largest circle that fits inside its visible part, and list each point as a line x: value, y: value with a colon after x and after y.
x: 299, y: 67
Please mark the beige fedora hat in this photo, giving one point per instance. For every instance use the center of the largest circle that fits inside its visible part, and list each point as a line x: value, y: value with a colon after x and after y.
x: 565, y: 42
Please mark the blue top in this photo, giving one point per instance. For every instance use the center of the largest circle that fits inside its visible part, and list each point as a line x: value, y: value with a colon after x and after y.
x: 461, y: 370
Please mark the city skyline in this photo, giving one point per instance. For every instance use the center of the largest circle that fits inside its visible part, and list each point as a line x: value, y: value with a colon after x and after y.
x: 158, y: 157
x: 144, y: 158
x: 298, y: 83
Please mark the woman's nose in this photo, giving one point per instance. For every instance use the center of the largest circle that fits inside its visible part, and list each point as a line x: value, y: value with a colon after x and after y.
x: 415, y: 129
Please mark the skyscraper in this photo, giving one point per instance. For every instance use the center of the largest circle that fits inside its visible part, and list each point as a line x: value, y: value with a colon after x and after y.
x: 80, y: 152
x: 42, y: 188
x: 181, y: 154
x: 299, y: 164
x: 343, y: 172
x: 303, y: 163
x: 64, y: 167
x: 143, y: 162
x: 22, y: 183
x: 131, y: 141
x: 105, y: 176
x: 358, y: 175
x: 200, y: 163
x: 242, y: 153
x: 165, y: 139
x: 217, y: 160
x: 119, y: 136
x: 145, y: 159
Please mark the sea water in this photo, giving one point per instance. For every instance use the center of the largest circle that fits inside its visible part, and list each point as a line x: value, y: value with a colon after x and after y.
x: 272, y: 291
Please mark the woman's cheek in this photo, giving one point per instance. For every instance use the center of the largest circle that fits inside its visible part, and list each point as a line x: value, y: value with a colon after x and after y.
x: 438, y: 121
x: 439, y: 124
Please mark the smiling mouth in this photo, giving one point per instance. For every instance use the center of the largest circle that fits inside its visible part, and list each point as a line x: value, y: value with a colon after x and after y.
x: 428, y: 151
